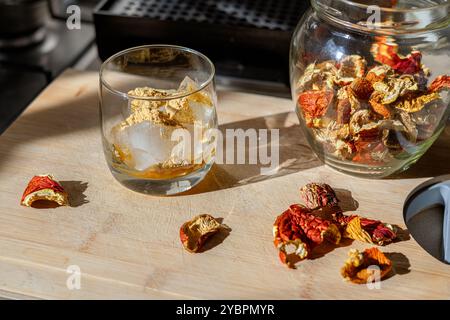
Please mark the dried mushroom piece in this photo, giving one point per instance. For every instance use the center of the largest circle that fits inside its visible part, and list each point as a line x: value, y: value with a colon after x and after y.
x: 379, y: 73
x: 359, y: 119
x: 346, y: 93
x: 318, y: 195
x: 369, y: 132
x: 284, y: 228
x: 378, y: 107
x: 361, y: 267
x: 362, y: 88
x: 371, y: 153
x: 385, y: 51
x: 350, y: 68
x: 417, y: 103
x: 410, y: 64
x: 300, y: 229
x: 44, y: 188
x: 344, y: 149
x: 440, y: 83
x: 318, y: 77
x: 344, y: 111
x: 288, y: 234
x: 314, y: 104
x: 428, y: 119
x: 315, y: 228
x: 292, y: 251
x: 409, y: 124
x: 366, y: 230
x: 391, y: 141
x: 196, y: 231
x: 395, y: 88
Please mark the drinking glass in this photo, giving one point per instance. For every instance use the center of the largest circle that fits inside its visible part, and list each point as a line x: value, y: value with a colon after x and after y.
x: 158, y: 113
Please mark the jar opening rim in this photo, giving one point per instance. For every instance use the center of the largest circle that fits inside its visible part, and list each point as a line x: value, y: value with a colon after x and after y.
x: 201, y: 86
x: 398, y: 10
x: 374, y: 19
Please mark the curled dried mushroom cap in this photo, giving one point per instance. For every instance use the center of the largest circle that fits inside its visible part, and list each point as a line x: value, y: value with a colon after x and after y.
x: 196, y: 231
x: 361, y: 267
x: 44, y: 188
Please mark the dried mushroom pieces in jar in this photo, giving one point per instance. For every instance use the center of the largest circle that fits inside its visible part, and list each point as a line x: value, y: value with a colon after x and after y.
x: 367, y: 266
x: 196, y: 231
x: 318, y: 195
x: 44, y: 188
x: 370, y: 103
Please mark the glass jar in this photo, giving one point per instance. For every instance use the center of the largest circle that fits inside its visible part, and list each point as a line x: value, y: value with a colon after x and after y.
x: 370, y: 82
x: 158, y: 116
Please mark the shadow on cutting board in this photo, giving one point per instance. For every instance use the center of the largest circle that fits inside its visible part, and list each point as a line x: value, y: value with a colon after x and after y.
x: 76, y: 190
x: 217, y: 238
x: 294, y: 155
x: 73, y: 113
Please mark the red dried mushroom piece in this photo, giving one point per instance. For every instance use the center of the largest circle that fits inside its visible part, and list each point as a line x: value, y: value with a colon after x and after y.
x: 366, y: 230
x: 46, y: 188
x: 315, y: 103
x: 196, y: 231
x: 297, y: 231
x: 440, y: 83
x: 315, y: 228
x: 290, y: 240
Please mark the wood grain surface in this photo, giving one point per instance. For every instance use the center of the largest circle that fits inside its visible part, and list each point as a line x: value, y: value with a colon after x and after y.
x: 126, y: 244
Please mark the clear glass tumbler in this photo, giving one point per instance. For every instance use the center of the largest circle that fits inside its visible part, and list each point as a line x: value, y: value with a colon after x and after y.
x: 158, y: 116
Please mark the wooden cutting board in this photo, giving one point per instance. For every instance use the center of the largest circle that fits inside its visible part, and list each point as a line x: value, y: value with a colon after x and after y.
x: 126, y: 244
